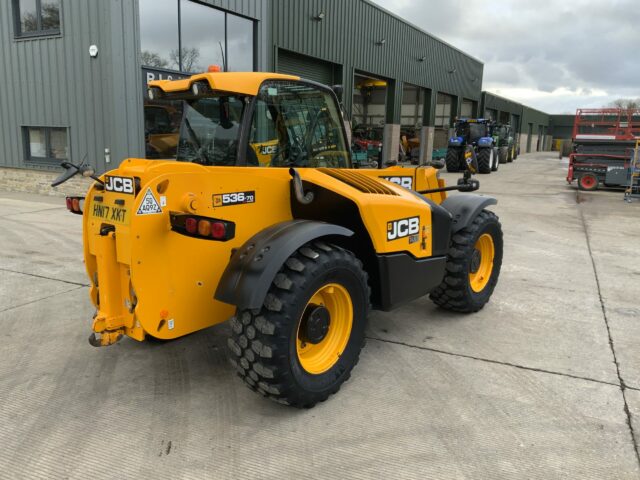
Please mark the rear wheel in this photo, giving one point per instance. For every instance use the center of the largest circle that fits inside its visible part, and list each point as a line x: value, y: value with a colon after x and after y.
x: 510, y: 154
x: 485, y: 160
x: 303, y: 343
x: 503, y: 154
x: 452, y: 160
x: 588, y: 182
x: 495, y: 163
x: 473, y: 265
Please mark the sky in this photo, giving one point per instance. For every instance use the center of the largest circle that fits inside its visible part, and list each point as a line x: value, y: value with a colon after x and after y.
x: 553, y: 55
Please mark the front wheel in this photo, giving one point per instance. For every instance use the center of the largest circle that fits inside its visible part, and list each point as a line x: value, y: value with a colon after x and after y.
x: 485, y: 160
x: 473, y: 266
x: 503, y: 154
x: 588, y: 182
x: 452, y: 160
x: 496, y: 163
x: 303, y: 343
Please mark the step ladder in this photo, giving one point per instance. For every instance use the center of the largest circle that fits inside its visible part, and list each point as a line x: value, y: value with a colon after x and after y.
x: 633, y: 176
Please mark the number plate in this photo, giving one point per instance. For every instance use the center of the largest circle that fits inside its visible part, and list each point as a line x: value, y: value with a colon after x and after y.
x: 110, y: 213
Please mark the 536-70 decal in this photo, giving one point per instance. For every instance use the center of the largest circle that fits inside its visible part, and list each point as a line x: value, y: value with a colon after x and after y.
x: 235, y: 198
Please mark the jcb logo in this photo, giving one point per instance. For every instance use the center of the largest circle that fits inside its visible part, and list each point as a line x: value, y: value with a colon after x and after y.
x: 406, y: 182
x: 402, y: 228
x: 119, y: 184
x: 268, y: 149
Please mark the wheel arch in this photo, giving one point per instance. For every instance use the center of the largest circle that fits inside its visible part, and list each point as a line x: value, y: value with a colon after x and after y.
x: 464, y: 208
x: 253, y: 267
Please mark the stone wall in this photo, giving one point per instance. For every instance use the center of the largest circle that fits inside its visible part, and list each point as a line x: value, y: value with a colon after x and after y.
x: 38, y: 181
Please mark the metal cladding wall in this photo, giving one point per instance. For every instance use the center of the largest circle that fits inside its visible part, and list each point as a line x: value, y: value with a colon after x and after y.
x: 561, y: 126
x: 531, y: 115
x: 496, y: 102
x: 349, y: 35
x: 53, y: 82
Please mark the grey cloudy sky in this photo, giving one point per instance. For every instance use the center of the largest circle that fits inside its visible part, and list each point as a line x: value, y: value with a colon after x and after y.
x: 554, y: 55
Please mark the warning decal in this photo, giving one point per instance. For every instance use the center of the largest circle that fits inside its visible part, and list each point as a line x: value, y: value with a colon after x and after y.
x: 149, y: 204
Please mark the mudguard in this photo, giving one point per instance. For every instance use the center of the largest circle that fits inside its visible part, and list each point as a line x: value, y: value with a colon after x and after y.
x: 464, y: 208
x: 252, y: 268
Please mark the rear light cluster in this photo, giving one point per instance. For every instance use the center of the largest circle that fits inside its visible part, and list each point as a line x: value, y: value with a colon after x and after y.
x: 202, y: 227
x: 75, y: 204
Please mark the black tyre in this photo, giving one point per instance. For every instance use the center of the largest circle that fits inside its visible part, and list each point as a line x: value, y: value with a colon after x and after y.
x: 452, y: 160
x: 485, y: 158
x: 473, y: 266
x: 503, y: 154
x: 588, y: 182
x: 510, y: 154
x: 495, y: 163
x: 303, y: 343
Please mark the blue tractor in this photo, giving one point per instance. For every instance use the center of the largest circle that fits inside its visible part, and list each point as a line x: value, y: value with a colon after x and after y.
x: 472, y: 137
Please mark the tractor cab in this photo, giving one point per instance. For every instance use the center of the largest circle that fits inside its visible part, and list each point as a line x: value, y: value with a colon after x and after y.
x: 472, y: 137
x: 470, y: 131
x: 287, y: 124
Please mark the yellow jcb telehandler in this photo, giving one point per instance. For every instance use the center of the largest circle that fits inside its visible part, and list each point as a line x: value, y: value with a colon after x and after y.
x: 293, y: 249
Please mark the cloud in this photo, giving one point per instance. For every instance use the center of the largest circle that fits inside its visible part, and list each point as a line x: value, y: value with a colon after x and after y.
x: 566, y: 52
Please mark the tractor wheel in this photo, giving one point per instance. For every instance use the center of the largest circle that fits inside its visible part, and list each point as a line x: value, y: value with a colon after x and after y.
x: 510, y: 154
x: 473, y: 266
x: 303, y: 343
x: 496, y: 160
x: 452, y: 160
x: 588, y: 182
x: 485, y: 160
x: 503, y: 154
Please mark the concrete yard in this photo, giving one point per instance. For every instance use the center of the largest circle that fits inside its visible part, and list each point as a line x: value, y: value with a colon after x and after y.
x: 542, y: 383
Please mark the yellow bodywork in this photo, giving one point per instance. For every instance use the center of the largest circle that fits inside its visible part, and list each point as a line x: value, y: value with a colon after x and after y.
x: 240, y: 83
x: 148, y: 279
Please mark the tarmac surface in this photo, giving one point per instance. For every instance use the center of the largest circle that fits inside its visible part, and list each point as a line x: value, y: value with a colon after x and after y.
x: 544, y: 382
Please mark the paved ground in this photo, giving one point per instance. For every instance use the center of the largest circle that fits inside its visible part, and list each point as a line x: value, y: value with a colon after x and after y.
x: 543, y: 383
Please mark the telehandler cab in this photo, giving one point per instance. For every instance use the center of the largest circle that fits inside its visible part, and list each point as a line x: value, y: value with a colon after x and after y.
x: 293, y: 249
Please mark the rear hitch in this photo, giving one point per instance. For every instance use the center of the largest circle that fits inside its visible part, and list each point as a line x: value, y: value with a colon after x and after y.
x: 106, y: 338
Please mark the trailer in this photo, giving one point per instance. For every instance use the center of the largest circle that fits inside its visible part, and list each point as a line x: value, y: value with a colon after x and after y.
x: 604, y: 141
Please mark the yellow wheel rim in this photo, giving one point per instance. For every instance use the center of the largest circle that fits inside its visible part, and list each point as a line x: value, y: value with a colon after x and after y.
x: 480, y: 272
x: 319, y: 357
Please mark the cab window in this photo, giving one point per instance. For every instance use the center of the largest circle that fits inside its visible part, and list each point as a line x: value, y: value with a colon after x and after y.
x: 296, y: 124
x: 210, y: 129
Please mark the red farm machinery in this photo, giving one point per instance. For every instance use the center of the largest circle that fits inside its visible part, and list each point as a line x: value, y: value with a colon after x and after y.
x: 603, y: 147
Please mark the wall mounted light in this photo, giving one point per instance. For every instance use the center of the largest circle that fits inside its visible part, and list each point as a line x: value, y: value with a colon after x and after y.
x: 381, y: 42
x: 319, y: 17
x: 422, y: 59
x: 453, y: 70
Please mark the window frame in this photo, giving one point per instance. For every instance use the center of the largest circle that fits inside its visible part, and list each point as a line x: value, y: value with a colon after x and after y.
x: 226, y: 13
x: 48, y: 160
x: 19, y: 34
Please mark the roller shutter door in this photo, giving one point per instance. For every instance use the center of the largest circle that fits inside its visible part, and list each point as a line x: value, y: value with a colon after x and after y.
x: 306, y: 67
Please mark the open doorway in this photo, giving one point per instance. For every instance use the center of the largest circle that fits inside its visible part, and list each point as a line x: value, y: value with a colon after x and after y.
x: 410, y: 123
x: 368, y: 117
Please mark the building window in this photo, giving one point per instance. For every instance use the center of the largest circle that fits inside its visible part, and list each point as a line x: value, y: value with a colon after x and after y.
x: 36, y: 17
x: 46, y: 144
x: 186, y: 36
x: 443, y: 111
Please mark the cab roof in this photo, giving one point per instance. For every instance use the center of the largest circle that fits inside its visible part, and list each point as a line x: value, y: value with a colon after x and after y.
x: 244, y: 83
